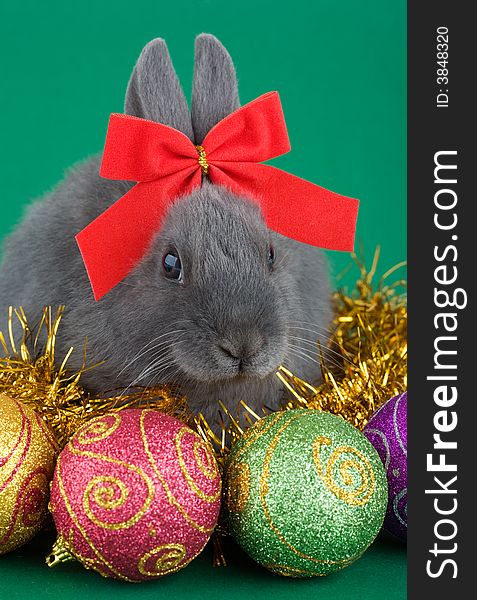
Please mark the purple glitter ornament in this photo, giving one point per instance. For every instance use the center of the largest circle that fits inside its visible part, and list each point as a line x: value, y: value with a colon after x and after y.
x: 387, y: 431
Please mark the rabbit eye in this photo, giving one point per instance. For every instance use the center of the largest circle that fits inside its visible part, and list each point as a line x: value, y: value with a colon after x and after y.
x: 271, y: 256
x: 172, y: 266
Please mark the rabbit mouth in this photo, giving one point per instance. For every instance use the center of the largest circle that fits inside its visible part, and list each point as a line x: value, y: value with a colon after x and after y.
x: 257, y: 367
x: 247, y: 370
x: 232, y: 370
x: 221, y: 360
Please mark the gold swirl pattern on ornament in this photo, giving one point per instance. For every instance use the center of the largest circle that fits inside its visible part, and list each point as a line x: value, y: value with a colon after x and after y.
x: 201, y: 444
x: 105, y: 497
x: 102, y: 559
x: 359, y: 463
x: 252, y: 434
x: 167, y: 559
x: 11, y: 462
x: 170, y: 496
x: 264, y: 489
x: 102, y: 489
x: 238, y: 487
x: 98, y: 429
x: 135, y: 469
x: 209, y: 467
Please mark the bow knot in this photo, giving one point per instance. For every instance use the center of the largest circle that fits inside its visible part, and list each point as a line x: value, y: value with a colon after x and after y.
x: 166, y: 164
x: 204, y: 165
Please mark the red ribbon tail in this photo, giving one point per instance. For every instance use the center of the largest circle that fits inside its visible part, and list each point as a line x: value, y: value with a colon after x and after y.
x: 116, y: 241
x: 293, y: 206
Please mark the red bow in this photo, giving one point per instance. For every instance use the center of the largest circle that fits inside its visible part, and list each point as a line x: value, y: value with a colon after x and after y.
x: 167, y: 165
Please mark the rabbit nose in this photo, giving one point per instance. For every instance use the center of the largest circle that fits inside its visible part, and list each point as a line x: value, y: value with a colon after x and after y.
x: 243, y: 349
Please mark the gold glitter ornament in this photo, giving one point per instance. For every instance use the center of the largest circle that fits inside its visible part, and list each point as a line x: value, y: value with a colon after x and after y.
x: 28, y: 452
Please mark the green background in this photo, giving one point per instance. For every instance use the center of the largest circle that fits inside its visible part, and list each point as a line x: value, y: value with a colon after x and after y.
x: 340, y: 69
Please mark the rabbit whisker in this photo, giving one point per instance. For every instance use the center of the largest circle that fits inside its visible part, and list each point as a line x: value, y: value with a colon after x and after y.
x: 304, y: 354
x: 145, y: 350
x: 156, y: 366
x: 320, y: 349
x: 341, y: 356
x: 298, y: 352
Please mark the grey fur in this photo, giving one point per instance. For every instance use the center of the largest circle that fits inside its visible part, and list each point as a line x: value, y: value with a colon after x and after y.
x: 215, y: 89
x: 231, y: 303
x: 154, y: 91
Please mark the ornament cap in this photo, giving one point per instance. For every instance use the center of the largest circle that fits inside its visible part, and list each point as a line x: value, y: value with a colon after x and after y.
x: 59, y: 554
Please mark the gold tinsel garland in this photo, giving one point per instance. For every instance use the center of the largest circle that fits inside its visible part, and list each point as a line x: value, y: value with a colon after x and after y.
x: 369, y: 347
x: 28, y: 373
x: 368, y: 343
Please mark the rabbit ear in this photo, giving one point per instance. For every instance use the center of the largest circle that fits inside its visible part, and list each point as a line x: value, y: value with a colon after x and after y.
x: 214, y: 92
x: 154, y: 91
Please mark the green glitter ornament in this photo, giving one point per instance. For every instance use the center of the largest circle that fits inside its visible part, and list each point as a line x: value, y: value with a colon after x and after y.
x: 305, y: 493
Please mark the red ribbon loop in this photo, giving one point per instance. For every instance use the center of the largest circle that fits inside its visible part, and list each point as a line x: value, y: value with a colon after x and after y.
x: 165, y: 164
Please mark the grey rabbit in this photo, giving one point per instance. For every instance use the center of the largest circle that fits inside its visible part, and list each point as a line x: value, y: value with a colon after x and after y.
x: 218, y: 302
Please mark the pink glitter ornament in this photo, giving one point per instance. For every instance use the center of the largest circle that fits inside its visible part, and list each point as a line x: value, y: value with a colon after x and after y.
x: 136, y: 495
